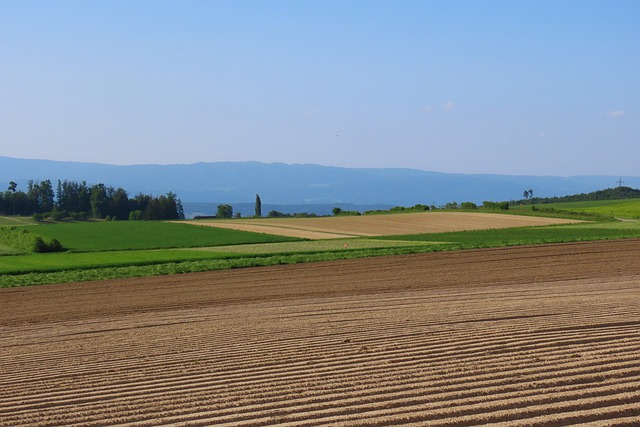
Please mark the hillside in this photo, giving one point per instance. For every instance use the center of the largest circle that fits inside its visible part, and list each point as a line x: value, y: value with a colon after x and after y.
x: 617, y: 193
x: 284, y: 184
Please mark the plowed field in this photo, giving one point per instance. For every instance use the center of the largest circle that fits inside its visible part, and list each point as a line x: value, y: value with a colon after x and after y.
x: 381, y: 225
x: 543, y: 335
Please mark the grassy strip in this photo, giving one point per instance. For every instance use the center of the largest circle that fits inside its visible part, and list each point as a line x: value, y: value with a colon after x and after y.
x: 618, y: 208
x: 202, y: 265
x: 48, y: 263
x: 6, y: 250
x: 308, y: 246
x: 16, y: 220
x: 132, y: 235
x: 530, y: 235
x: 551, y: 212
x: 595, y: 209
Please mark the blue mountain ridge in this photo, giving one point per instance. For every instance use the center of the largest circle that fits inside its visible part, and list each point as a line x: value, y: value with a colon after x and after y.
x: 311, y: 185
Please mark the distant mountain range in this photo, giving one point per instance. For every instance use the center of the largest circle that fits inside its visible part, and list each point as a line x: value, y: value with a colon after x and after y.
x: 301, y: 187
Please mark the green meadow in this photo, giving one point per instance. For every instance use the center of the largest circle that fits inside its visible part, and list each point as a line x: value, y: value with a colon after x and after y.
x: 130, y: 235
x: 529, y: 235
x: 16, y: 220
x: 629, y: 208
x: 61, y: 261
x: 626, y: 208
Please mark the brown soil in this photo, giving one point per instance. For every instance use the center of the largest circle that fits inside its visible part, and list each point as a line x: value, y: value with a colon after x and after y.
x: 541, y: 335
x: 381, y: 225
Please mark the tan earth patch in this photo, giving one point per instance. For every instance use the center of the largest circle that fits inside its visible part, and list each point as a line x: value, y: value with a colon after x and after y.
x: 380, y: 225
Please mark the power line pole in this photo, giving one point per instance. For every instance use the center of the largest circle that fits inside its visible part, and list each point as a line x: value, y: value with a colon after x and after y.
x: 620, y: 182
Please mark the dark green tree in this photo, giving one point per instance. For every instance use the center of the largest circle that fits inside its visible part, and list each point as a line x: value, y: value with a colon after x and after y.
x: 98, y: 201
x: 258, y: 206
x: 225, y: 211
x: 119, y: 204
x: 163, y: 207
x: 12, y: 188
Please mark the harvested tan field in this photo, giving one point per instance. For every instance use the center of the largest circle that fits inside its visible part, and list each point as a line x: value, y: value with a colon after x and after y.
x: 380, y: 225
x: 536, y: 336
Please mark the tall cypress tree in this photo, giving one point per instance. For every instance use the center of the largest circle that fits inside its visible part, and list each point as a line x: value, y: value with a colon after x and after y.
x: 258, y: 206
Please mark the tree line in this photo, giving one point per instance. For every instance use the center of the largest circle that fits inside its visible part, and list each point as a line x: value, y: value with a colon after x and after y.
x: 617, y: 193
x: 78, y: 200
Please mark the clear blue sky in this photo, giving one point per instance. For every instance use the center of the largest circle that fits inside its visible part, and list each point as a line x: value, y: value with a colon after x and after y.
x: 507, y: 87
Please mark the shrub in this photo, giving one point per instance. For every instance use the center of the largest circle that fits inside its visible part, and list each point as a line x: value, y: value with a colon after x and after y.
x: 41, y: 246
x: 495, y: 205
x: 420, y: 207
x: 21, y: 239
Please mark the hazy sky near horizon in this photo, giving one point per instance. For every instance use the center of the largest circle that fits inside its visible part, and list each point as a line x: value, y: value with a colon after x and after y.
x: 508, y: 87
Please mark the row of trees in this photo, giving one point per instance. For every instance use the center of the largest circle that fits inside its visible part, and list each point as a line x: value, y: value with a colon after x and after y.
x: 617, y: 193
x: 79, y: 200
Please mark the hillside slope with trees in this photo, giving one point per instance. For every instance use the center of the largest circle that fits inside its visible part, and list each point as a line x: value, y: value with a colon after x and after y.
x: 617, y: 193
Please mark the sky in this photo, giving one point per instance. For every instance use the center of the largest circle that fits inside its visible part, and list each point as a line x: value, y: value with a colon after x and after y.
x: 503, y: 87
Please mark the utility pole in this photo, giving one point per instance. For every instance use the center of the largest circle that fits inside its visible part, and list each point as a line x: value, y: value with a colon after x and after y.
x: 620, y: 182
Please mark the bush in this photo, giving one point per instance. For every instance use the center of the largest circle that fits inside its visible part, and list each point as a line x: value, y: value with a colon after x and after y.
x: 21, y: 239
x: 41, y: 246
x: 420, y: 207
x: 57, y: 215
x: 496, y: 205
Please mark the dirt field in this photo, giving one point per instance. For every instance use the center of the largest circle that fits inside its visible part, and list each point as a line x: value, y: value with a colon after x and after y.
x: 545, y: 335
x: 380, y: 225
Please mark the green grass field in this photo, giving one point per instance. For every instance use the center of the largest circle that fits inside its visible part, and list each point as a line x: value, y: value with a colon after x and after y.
x: 61, y: 261
x: 531, y: 235
x: 627, y: 208
x: 618, y: 208
x: 16, y: 220
x: 6, y: 250
x: 325, y: 245
x: 130, y: 235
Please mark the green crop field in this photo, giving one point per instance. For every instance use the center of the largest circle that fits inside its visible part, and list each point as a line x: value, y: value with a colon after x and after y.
x: 129, y: 235
x: 6, y: 250
x: 629, y: 208
x: 531, y: 235
x: 16, y: 220
x: 312, y: 246
x: 60, y: 261
x: 626, y: 208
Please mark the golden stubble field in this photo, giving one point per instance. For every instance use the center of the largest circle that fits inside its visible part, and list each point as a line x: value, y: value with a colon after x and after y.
x: 538, y: 336
x: 380, y: 225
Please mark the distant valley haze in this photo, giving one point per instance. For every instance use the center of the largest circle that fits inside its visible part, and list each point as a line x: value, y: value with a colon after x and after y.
x: 309, y: 188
